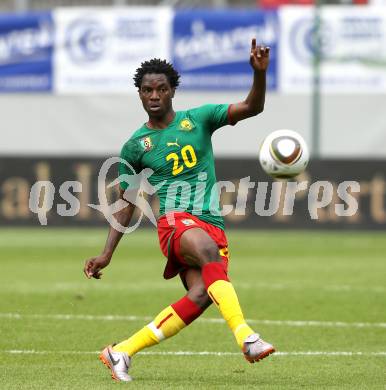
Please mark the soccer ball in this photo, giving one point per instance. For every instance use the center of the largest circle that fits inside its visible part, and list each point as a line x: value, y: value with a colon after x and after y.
x: 284, y: 154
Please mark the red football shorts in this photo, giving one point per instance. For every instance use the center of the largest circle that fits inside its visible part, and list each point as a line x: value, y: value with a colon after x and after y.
x: 170, y: 231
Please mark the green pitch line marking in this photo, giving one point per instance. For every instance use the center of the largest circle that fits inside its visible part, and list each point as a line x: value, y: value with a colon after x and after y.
x: 200, y: 353
x: 69, y: 317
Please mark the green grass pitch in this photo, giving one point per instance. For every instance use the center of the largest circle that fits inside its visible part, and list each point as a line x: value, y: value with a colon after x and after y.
x: 319, y: 297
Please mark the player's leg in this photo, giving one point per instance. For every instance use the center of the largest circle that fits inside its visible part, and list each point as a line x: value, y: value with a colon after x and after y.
x: 166, y: 324
x: 199, y: 249
x: 172, y: 319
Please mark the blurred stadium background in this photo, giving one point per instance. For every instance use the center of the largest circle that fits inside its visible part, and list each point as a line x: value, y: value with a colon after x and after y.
x: 67, y: 103
x: 68, y: 100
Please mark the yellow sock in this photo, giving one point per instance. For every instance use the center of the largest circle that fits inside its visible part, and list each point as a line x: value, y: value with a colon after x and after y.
x: 166, y: 324
x: 224, y: 296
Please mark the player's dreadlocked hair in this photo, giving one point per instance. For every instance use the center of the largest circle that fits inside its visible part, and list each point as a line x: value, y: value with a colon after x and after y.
x: 157, y: 66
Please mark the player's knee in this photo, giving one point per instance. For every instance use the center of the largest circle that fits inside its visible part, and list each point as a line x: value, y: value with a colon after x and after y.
x: 198, y: 248
x: 209, y: 252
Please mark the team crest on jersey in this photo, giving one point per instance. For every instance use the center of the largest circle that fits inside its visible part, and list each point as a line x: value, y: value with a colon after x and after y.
x: 188, y: 222
x: 146, y: 143
x: 186, y: 125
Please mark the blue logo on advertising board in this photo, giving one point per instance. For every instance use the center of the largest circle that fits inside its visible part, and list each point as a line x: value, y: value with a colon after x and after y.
x: 304, y: 41
x: 355, y: 38
x: 211, y: 48
x: 26, y: 42
x: 85, y: 40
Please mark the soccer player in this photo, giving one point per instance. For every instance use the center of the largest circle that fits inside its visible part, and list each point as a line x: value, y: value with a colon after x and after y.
x: 177, y: 147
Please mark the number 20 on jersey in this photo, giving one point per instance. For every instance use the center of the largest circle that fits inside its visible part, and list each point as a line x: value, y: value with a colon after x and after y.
x: 187, y: 159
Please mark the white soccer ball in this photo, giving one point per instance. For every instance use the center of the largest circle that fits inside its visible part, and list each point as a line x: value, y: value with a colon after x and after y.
x: 284, y: 154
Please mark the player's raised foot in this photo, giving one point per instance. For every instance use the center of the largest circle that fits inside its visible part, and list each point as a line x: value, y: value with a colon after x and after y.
x: 117, y: 362
x: 255, y: 348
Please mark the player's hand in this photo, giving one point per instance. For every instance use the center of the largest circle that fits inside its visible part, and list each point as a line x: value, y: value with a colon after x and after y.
x: 92, y: 267
x: 259, y: 57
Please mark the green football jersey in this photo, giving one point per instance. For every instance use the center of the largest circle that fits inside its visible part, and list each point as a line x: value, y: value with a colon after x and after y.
x: 181, y: 158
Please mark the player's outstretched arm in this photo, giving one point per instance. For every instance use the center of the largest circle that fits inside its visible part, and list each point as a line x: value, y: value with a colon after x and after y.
x: 254, y: 103
x: 93, y: 266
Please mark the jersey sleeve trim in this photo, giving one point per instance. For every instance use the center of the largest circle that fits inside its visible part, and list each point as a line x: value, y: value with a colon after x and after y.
x: 231, y: 121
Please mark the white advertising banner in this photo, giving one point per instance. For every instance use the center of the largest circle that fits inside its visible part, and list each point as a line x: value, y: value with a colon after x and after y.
x: 352, y: 45
x: 98, y: 49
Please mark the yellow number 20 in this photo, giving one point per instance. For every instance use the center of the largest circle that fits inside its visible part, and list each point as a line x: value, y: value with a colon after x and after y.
x: 189, y: 159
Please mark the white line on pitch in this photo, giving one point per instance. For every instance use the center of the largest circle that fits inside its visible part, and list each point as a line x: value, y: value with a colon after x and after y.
x: 87, y: 317
x: 199, y: 353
